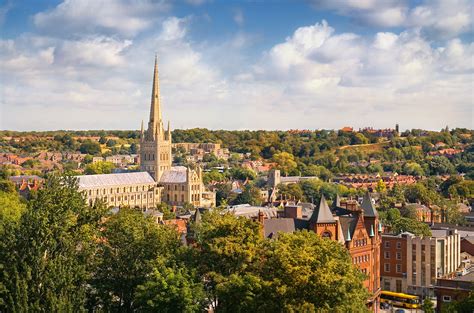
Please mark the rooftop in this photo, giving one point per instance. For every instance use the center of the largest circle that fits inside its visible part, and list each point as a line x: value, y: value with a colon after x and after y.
x: 177, y: 174
x: 105, y: 180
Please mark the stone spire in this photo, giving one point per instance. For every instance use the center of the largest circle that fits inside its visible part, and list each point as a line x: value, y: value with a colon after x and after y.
x: 155, y: 122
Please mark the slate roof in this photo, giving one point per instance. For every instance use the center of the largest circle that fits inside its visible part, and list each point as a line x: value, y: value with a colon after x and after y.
x: 322, y: 214
x: 273, y: 226
x: 348, y: 224
x: 368, y: 206
x: 177, y: 174
x: 105, y: 180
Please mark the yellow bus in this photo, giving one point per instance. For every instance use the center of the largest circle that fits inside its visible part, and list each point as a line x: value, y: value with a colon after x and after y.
x: 400, y: 299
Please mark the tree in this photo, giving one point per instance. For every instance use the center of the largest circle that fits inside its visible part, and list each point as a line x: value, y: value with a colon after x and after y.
x: 50, y: 252
x: 417, y: 192
x: 250, y: 195
x: 440, y: 165
x: 171, y: 288
x: 90, y: 147
x: 428, y: 306
x: 304, y: 269
x: 11, y: 209
x: 111, y: 143
x: 132, y: 242
x: 228, y: 245
x: 285, y: 162
x: 413, y: 168
x: 100, y: 167
x: 213, y: 176
x: 242, y: 173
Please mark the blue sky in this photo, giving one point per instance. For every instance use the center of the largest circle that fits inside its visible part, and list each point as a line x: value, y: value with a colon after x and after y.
x: 87, y: 64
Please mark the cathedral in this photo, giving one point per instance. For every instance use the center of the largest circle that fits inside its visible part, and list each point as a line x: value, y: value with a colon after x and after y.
x: 179, y: 184
x: 158, y: 180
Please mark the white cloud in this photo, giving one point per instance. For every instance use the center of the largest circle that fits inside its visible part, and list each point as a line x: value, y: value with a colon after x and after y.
x: 173, y: 28
x: 126, y: 17
x: 315, y: 78
x: 438, y: 18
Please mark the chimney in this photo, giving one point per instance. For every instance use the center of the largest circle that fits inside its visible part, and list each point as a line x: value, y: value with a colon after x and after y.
x: 261, y: 217
x: 293, y: 211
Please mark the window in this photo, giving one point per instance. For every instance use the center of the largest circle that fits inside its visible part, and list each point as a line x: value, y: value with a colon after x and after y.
x: 112, y: 199
x: 387, y: 244
x: 326, y: 234
x: 399, y: 268
x: 182, y: 188
x: 399, y: 245
x: 446, y: 298
x: 422, y: 247
x: 398, y: 285
x: 387, y: 254
x: 386, y: 267
x: 399, y: 255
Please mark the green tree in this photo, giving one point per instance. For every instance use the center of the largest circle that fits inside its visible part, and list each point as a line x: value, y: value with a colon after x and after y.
x: 90, y: 147
x: 170, y: 289
x: 50, y: 252
x: 227, y: 246
x: 285, y: 162
x: 99, y: 168
x: 428, y: 306
x: 250, y: 195
x: 132, y: 242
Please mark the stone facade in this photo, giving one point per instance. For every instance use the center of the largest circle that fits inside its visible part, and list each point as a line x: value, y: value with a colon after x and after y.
x: 180, y: 185
x: 124, y: 189
x: 158, y: 181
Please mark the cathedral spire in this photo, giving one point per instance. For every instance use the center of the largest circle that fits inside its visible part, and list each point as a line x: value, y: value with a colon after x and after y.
x: 155, y: 110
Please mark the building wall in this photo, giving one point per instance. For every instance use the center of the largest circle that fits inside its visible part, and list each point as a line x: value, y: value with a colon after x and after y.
x: 393, y: 264
x: 138, y: 195
x: 424, y: 260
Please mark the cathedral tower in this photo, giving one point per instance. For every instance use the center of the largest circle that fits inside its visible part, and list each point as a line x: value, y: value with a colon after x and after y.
x: 155, y: 142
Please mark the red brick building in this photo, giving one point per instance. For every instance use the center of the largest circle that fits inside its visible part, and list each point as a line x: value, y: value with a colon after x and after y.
x: 354, y: 225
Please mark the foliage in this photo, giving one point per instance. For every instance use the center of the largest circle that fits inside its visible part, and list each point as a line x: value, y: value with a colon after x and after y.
x: 100, y: 167
x: 245, y: 273
x: 428, y: 306
x: 132, y: 242
x: 285, y: 162
x: 50, y: 252
x: 90, y: 147
x: 250, y: 195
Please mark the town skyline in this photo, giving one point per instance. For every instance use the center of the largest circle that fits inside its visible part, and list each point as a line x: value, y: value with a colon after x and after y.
x: 315, y: 65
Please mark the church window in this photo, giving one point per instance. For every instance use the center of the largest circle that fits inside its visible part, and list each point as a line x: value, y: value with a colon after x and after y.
x: 326, y: 234
x: 182, y: 188
x: 90, y: 192
x: 119, y: 198
x: 175, y: 187
x: 132, y: 197
x: 182, y: 198
x: 153, y: 157
x: 111, y: 191
x: 125, y: 198
x: 136, y: 189
x: 175, y: 198
x: 112, y: 199
x: 168, y: 197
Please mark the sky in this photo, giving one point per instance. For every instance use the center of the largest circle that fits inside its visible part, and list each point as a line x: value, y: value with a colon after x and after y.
x: 279, y: 64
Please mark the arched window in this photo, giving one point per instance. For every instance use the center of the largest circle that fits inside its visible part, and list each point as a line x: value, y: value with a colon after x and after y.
x: 326, y: 234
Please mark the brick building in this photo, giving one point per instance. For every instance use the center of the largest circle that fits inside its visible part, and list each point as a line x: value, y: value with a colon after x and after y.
x: 356, y: 226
